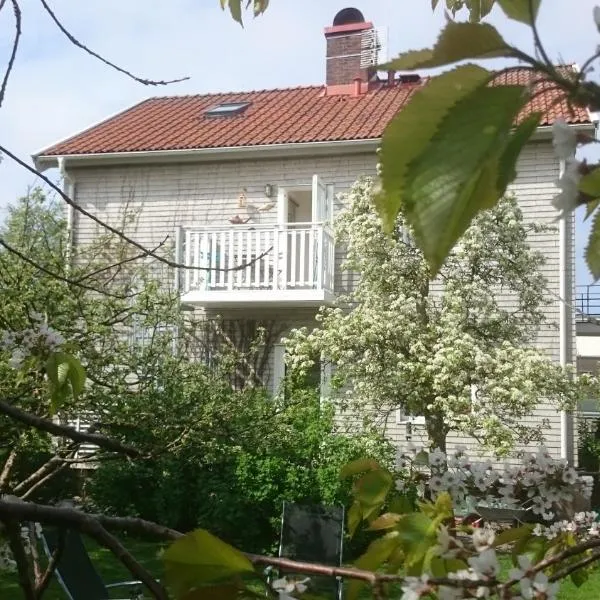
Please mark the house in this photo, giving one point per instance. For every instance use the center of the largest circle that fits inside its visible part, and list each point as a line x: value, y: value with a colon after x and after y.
x: 255, y: 178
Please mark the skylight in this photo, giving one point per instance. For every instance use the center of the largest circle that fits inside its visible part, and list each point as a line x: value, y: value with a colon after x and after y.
x: 227, y: 109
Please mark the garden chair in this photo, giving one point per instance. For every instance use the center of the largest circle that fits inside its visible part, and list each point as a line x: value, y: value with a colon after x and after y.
x: 75, y: 572
x: 312, y: 533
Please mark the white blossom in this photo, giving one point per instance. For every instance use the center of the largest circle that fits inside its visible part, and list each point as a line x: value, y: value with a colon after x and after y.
x: 485, y: 564
x: 564, y: 140
x: 415, y: 587
x: 568, y: 183
x: 483, y: 538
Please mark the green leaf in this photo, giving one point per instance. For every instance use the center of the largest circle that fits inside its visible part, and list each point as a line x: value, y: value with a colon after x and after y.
x: 358, y: 466
x: 507, y: 170
x: 457, y: 41
x: 412, y: 129
x: 508, y: 536
x: 235, y: 8
x: 579, y: 577
x: 457, y: 175
x: 385, y: 521
x: 590, y: 207
x: 376, y: 555
x: 372, y: 488
x: 521, y: 10
x: 422, y: 458
x: 200, y: 559
x: 590, y: 183
x: 65, y: 374
x: 592, y: 251
x: 354, y: 517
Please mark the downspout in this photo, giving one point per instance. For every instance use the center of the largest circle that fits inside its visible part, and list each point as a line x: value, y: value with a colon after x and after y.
x: 68, y: 185
x: 564, y: 323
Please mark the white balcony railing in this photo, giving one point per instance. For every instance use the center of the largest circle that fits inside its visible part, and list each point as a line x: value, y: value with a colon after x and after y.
x: 250, y: 263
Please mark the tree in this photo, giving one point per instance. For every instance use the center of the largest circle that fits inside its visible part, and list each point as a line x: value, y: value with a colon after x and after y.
x: 453, y: 350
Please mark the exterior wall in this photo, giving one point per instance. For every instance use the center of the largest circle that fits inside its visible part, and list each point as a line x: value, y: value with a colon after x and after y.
x: 164, y: 197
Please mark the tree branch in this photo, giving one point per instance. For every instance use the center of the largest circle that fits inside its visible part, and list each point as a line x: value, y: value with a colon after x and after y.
x: 6, y: 469
x: 60, y: 277
x: 18, y: 550
x: 15, y: 47
x: 43, y: 582
x: 16, y: 510
x: 83, y: 47
x: 71, y: 433
x: 575, y: 567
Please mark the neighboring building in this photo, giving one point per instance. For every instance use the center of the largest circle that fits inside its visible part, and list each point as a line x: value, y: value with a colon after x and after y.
x: 260, y: 175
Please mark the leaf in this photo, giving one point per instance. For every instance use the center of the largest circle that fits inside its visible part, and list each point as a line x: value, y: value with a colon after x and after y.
x: 521, y: 10
x: 508, y: 536
x: 376, y: 555
x: 422, y: 458
x: 507, y: 171
x: 65, y: 374
x: 592, y: 250
x: 235, y: 8
x: 385, y: 521
x: 372, y: 488
x: 590, y: 207
x: 200, y: 558
x: 590, y: 183
x: 457, y: 41
x: 354, y: 517
x: 412, y: 129
x: 579, y: 577
x: 358, y: 466
x: 457, y: 175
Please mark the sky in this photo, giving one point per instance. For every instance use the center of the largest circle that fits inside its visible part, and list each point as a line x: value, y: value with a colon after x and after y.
x: 57, y: 90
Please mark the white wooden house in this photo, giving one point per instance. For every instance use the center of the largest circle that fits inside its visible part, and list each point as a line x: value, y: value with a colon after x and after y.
x: 235, y: 176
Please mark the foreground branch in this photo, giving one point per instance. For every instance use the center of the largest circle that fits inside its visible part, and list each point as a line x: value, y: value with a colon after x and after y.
x: 15, y: 542
x: 71, y: 433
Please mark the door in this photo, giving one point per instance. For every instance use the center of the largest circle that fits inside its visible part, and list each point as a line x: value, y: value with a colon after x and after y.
x: 322, y: 216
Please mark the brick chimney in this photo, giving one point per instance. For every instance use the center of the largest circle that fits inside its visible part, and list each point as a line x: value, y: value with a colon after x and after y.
x: 344, y: 46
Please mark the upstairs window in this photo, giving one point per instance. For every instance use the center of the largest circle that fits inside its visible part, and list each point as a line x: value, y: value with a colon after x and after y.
x: 227, y: 109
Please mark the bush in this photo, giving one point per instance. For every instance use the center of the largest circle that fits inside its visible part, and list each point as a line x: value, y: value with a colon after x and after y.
x: 236, y: 490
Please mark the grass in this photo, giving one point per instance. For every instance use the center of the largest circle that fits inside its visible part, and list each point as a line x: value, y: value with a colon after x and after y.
x: 147, y: 553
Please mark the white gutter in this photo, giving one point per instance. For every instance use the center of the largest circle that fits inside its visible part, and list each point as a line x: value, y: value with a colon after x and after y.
x: 43, y: 162
x: 564, y: 324
x: 68, y: 185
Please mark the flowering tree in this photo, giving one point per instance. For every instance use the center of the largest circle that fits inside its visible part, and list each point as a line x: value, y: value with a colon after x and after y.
x: 452, y: 351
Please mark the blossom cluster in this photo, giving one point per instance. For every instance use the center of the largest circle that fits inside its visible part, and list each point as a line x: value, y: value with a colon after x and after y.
x: 540, y: 483
x: 584, y: 525
x: 37, y: 340
x: 523, y: 583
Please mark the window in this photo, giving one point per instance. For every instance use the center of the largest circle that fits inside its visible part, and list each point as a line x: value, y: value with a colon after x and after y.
x: 227, y: 109
x: 318, y: 376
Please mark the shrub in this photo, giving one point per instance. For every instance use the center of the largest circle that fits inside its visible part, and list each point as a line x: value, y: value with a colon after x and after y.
x: 234, y: 484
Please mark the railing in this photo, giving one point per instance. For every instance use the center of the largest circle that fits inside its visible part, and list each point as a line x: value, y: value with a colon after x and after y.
x: 294, y: 256
x: 587, y: 302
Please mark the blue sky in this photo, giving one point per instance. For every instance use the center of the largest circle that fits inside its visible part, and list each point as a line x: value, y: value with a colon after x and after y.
x: 57, y: 90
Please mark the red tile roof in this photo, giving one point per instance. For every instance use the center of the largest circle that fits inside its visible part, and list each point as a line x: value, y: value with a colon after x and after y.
x: 280, y: 116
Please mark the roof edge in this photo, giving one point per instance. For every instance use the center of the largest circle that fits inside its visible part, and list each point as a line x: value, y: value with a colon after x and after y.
x: 43, y: 162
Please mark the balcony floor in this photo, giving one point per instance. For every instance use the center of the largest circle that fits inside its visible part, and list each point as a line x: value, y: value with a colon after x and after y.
x: 249, y: 297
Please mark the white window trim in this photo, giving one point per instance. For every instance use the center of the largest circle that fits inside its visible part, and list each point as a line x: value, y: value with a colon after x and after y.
x: 402, y: 418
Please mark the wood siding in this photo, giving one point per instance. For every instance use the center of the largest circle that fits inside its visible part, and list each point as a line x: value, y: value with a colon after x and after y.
x: 162, y: 198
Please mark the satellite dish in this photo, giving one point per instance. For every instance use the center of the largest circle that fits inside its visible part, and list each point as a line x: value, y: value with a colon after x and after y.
x: 347, y: 16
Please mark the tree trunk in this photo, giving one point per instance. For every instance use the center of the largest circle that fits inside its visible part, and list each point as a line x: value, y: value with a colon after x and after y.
x: 437, y: 430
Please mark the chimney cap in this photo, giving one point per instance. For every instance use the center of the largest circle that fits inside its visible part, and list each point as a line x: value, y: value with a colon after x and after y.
x: 348, y: 16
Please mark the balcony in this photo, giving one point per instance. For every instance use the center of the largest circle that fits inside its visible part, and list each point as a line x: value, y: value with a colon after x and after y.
x: 290, y: 264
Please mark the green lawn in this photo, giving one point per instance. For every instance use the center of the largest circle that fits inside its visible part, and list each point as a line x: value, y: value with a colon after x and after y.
x: 147, y: 553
